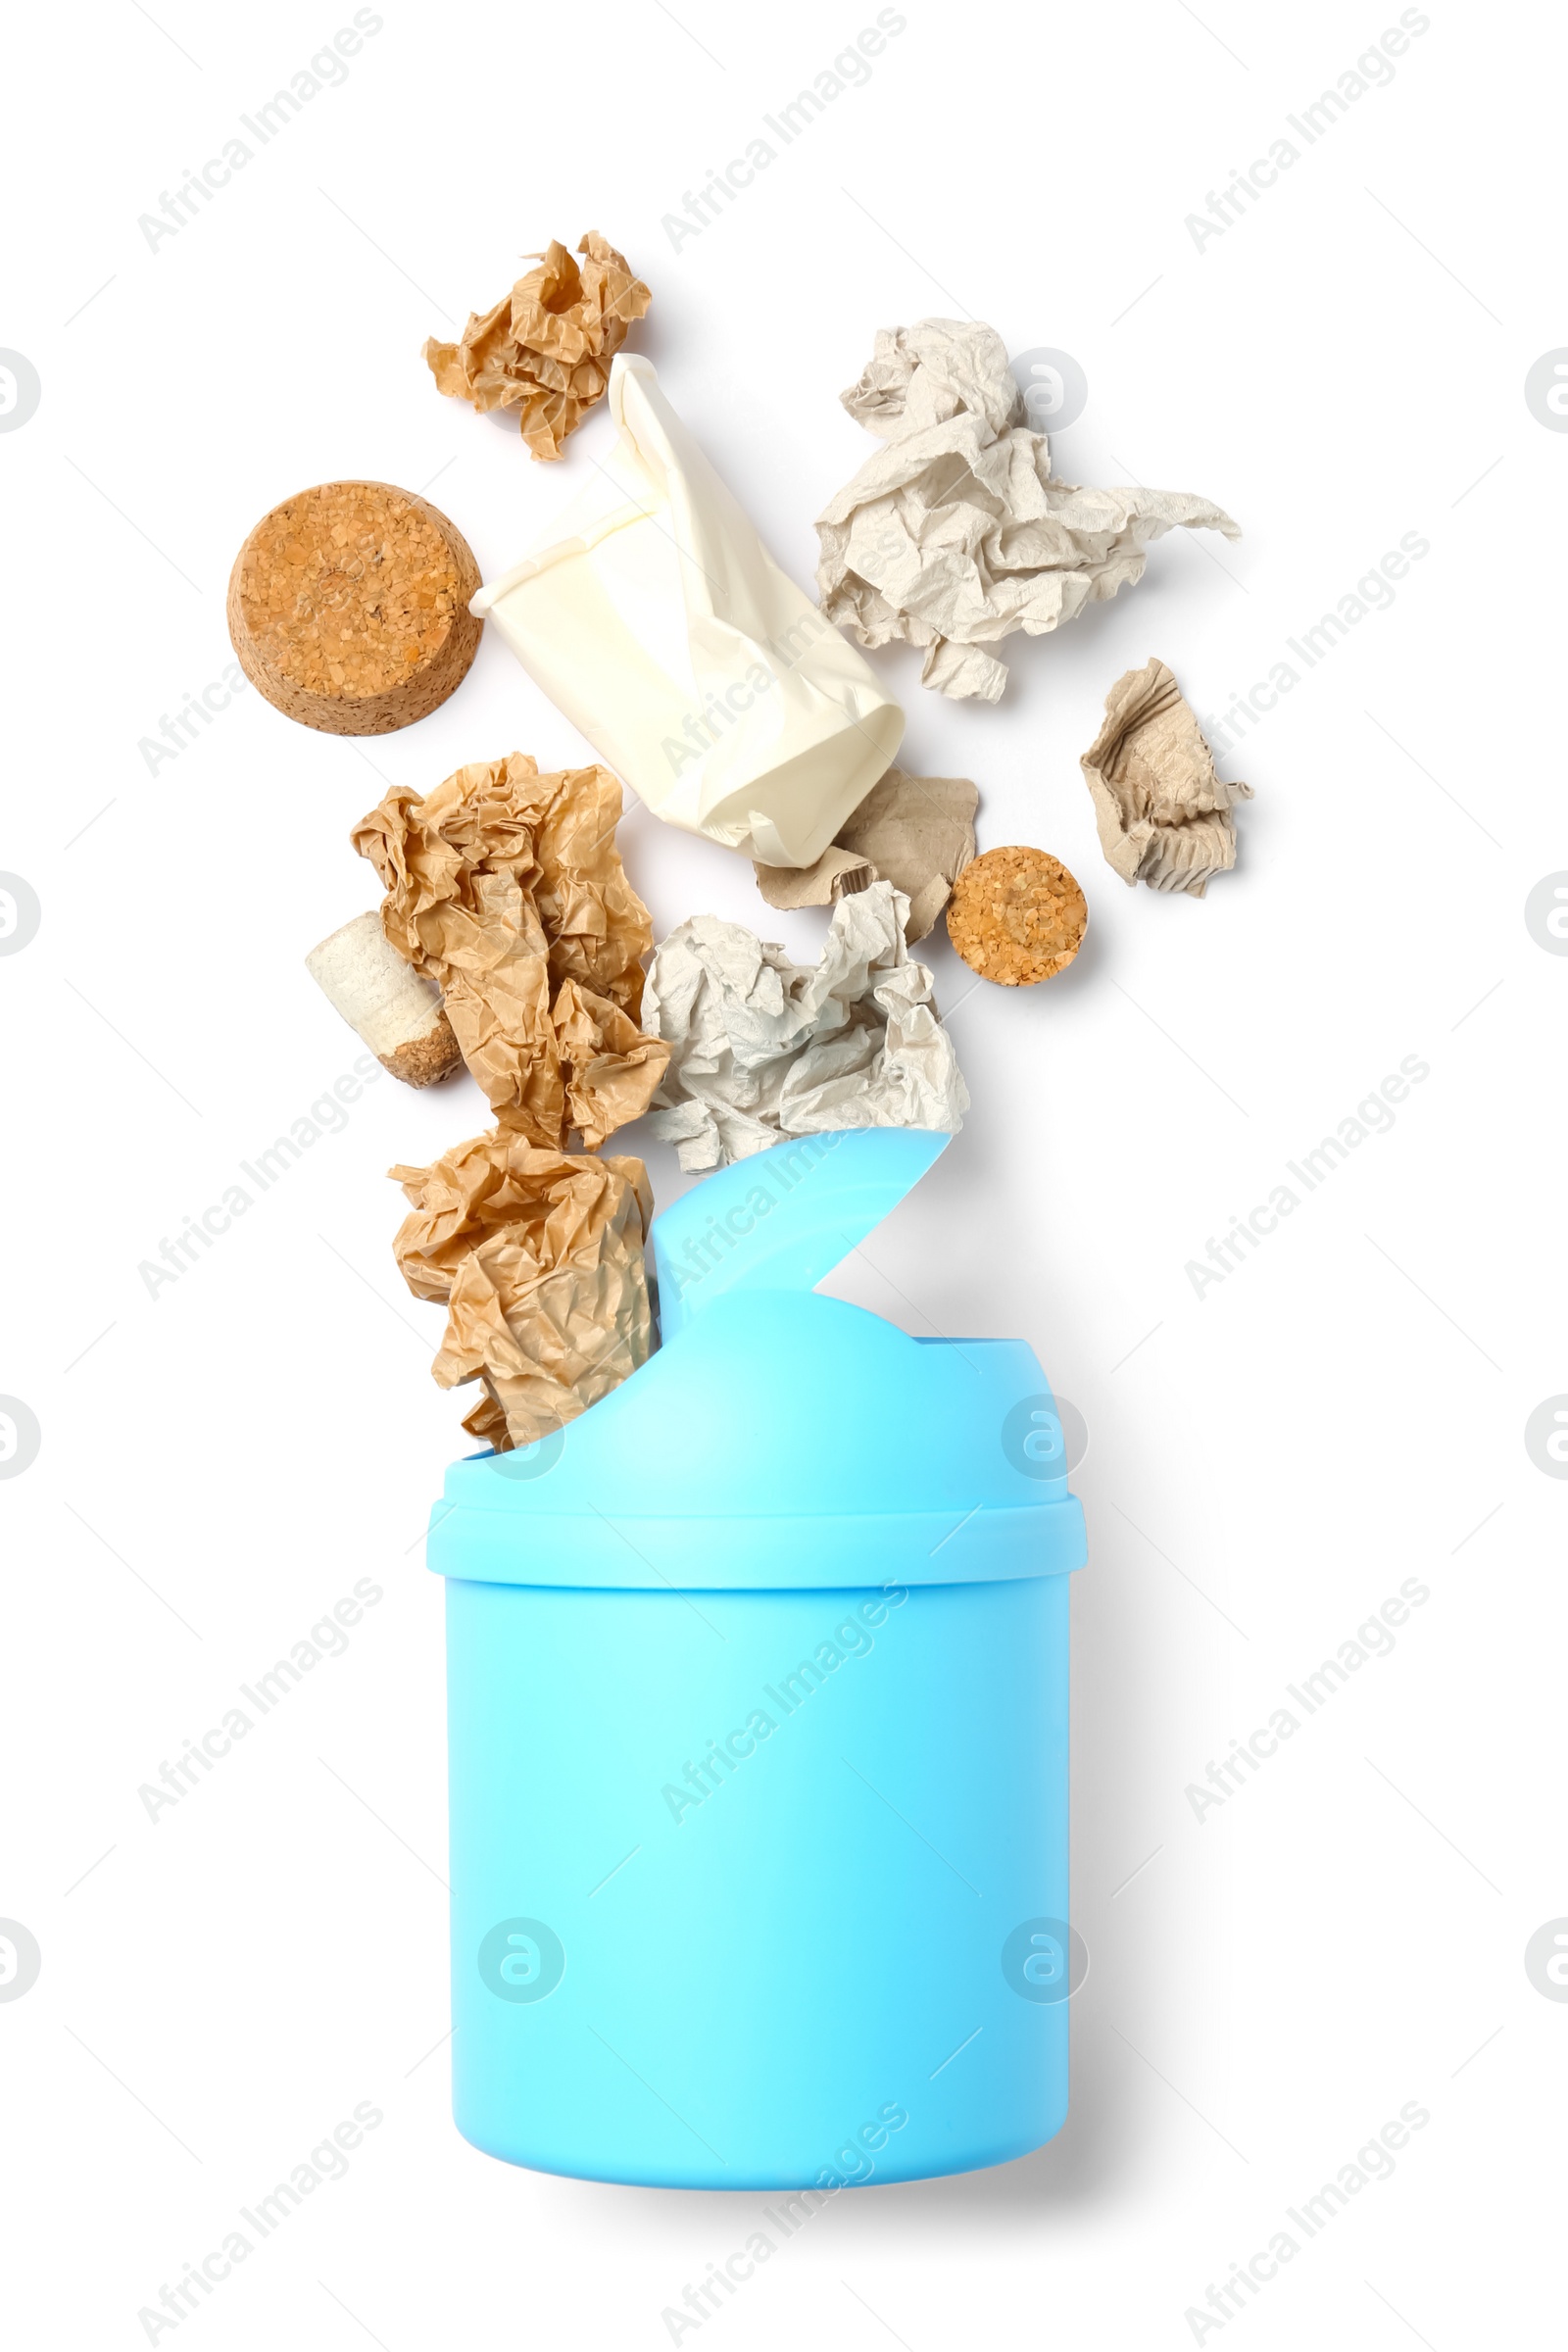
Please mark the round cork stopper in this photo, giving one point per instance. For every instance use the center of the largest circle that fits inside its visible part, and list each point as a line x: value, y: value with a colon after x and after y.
x: 348, y: 607
x: 1016, y: 916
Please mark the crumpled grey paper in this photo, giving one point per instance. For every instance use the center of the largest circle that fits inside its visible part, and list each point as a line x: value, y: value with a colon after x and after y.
x: 763, y: 1048
x: 917, y: 832
x: 957, y: 533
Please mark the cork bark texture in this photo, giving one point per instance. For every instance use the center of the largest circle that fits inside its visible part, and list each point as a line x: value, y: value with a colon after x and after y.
x: 348, y: 607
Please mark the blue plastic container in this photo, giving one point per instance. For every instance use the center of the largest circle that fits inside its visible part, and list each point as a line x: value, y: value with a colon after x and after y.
x: 758, y: 1698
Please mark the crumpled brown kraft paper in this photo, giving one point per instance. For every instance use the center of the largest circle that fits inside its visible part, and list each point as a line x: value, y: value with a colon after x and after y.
x: 506, y: 888
x: 917, y: 832
x: 538, y: 1258
x: 958, y: 533
x: 765, y: 1047
x: 545, y: 348
x: 1164, y: 816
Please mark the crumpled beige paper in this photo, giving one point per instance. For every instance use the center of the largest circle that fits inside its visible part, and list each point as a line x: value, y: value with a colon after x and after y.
x: 958, y: 533
x: 763, y: 1048
x: 917, y: 832
x: 538, y: 1258
x: 545, y: 348
x: 506, y: 888
x: 1164, y: 816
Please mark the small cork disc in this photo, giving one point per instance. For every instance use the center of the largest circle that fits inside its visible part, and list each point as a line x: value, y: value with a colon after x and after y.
x: 1016, y: 916
x: 348, y: 607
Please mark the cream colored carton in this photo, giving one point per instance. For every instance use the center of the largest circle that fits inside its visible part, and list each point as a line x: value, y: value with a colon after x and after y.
x: 653, y: 616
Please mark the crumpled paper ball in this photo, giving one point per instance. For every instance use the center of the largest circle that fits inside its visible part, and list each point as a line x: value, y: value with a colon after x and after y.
x: 957, y: 533
x: 545, y: 348
x: 763, y: 1048
x: 506, y: 886
x: 538, y: 1258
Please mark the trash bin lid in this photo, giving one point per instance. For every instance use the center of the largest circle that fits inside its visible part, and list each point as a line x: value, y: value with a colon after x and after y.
x: 779, y: 1437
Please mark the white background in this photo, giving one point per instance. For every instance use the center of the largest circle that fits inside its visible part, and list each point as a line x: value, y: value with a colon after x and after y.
x: 1344, y: 366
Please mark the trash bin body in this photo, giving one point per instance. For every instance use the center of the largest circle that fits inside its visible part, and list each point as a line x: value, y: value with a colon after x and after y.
x: 757, y: 1723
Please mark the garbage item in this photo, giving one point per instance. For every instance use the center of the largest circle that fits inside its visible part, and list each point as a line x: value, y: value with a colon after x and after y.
x: 1163, y: 815
x: 395, y: 1009
x: 917, y: 832
x: 538, y: 1257
x: 654, y: 616
x: 1017, y: 917
x: 779, y: 1632
x: 505, y: 887
x: 958, y: 533
x: 761, y: 1046
x: 348, y: 607
x: 545, y: 349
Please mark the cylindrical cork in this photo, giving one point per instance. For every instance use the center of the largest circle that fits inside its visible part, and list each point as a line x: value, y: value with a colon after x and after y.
x: 396, y: 1010
x: 348, y: 607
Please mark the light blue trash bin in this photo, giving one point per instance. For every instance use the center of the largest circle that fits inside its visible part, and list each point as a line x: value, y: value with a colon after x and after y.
x: 758, y: 1697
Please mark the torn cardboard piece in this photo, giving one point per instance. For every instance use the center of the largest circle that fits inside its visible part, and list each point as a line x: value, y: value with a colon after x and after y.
x: 1163, y: 815
x: 763, y: 1048
x: 655, y: 619
x: 505, y: 887
x: 538, y: 1258
x: 958, y: 533
x: 545, y: 349
x: 396, y: 1010
x: 839, y: 873
x: 917, y: 832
